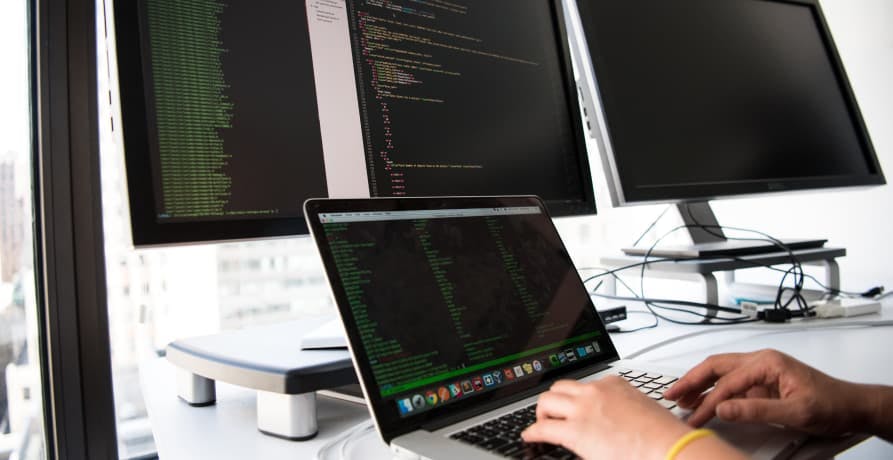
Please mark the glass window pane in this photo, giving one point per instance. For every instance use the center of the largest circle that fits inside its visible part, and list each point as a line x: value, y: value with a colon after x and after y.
x: 21, y: 405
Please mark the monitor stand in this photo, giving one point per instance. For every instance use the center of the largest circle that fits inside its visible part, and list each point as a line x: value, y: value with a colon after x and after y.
x: 271, y: 360
x: 710, y: 241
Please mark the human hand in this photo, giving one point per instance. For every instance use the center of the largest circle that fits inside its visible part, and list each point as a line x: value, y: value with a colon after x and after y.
x: 607, y: 418
x: 769, y: 387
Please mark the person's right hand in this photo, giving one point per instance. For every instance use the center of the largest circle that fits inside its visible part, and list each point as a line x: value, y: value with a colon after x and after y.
x: 770, y: 387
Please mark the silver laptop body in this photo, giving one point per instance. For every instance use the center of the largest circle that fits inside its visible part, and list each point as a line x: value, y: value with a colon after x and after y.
x: 435, y: 293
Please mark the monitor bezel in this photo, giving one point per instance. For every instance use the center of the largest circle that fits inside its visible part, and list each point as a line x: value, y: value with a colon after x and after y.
x: 147, y: 231
x: 625, y: 195
x: 136, y: 125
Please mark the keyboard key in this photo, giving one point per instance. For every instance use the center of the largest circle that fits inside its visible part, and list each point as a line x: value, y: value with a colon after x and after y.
x: 653, y: 376
x: 653, y: 386
x: 493, y: 443
x: 666, y: 380
x: 623, y: 371
x: 635, y: 374
x: 667, y: 403
x: 503, y: 434
x: 642, y: 381
x: 645, y: 390
x: 472, y: 439
x: 511, y: 448
x: 655, y: 396
x: 535, y: 451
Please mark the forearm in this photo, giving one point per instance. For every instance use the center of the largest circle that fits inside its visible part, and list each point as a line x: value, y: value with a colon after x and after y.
x: 711, y: 447
x: 879, y: 410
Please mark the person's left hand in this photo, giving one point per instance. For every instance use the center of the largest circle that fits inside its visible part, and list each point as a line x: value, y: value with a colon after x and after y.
x: 607, y: 418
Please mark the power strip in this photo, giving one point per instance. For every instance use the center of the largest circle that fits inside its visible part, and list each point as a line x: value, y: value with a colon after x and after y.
x: 838, y: 308
x: 844, y: 308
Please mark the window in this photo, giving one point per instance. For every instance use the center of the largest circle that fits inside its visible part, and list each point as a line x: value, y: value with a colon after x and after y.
x: 21, y: 407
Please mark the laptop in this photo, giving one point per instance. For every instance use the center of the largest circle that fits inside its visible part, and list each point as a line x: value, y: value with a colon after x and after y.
x: 458, y: 313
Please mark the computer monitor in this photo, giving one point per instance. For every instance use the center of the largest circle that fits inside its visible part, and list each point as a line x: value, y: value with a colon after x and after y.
x: 694, y: 100
x: 234, y: 113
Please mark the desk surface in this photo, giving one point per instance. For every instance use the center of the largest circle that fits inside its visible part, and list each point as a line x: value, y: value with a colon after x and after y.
x: 228, y: 429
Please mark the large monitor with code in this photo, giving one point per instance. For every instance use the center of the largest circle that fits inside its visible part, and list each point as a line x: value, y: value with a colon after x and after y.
x: 234, y: 113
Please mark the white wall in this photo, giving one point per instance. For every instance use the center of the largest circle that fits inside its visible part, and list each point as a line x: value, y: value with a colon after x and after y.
x: 860, y: 220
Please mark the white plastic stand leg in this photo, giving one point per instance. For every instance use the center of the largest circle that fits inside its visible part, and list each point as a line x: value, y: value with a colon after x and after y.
x: 195, y: 389
x: 291, y: 417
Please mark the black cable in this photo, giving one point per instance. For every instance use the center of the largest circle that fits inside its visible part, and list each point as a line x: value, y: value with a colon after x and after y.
x: 796, y: 271
x: 798, y: 282
x: 614, y: 272
x: 656, y: 323
x: 872, y: 293
x: 765, y: 237
x: 657, y: 317
x: 653, y: 223
x: 650, y: 305
x: 606, y: 272
x: 684, y: 303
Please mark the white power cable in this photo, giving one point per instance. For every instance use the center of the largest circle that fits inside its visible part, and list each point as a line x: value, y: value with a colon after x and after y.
x: 342, y: 452
x: 343, y: 439
x: 780, y: 328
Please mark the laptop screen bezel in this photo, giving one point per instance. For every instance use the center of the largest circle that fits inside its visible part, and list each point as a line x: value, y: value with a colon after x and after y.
x: 389, y: 422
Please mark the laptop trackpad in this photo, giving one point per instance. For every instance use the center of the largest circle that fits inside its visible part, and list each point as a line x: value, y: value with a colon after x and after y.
x: 760, y: 442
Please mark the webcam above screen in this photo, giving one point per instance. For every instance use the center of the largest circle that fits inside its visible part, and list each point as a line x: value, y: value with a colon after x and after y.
x: 233, y: 115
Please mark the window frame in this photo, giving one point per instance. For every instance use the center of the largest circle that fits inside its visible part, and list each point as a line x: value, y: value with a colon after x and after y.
x: 79, y: 411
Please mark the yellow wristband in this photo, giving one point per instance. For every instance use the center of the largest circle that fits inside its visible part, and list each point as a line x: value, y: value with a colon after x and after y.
x: 684, y: 441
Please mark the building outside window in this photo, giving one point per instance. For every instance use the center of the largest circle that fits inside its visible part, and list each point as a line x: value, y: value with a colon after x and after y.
x: 21, y: 406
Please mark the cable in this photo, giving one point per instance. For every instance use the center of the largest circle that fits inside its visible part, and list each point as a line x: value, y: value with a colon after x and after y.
x: 684, y: 303
x: 769, y: 327
x: 650, y: 311
x: 651, y: 305
x: 610, y: 271
x: 342, y: 452
x: 653, y: 223
x: 639, y: 298
x: 795, y: 263
x: 782, y: 304
x: 620, y: 280
x: 796, y: 270
x: 827, y: 289
x: 343, y: 438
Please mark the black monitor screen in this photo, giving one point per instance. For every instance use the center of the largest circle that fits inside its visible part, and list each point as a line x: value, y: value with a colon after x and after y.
x: 705, y: 98
x: 223, y: 110
x: 467, y: 96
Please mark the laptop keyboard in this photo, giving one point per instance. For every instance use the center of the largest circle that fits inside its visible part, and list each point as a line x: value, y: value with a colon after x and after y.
x: 652, y: 385
x: 502, y: 435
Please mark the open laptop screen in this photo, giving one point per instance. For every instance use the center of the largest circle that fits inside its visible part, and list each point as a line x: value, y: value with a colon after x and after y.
x: 454, y: 302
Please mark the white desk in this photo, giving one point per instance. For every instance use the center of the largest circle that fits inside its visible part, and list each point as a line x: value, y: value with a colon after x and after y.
x: 228, y: 430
